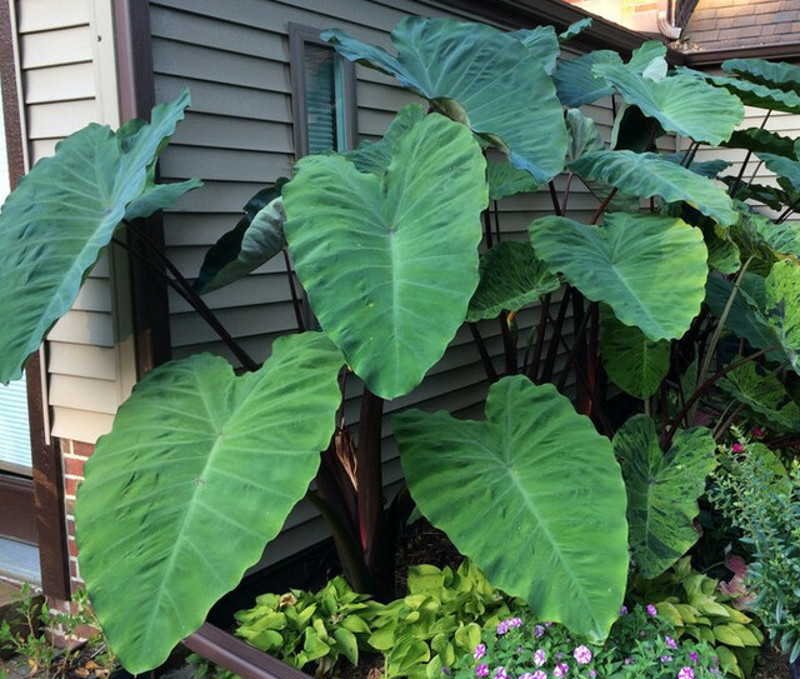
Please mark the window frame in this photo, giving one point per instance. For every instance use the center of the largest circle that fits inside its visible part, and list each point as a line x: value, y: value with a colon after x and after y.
x: 299, y: 37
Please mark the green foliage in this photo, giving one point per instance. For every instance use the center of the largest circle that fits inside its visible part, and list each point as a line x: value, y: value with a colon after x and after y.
x: 256, y: 238
x: 216, y: 446
x: 618, y: 264
x: 662, y: 490
x: 640, y: 646
x: 512, y: 471
x: 61, y: 216
x: 695, y: 605
x: 400, y: 251
x: 438, y: 621
x: 26, y: 635
x: 303, y: 628
x: 765, y: 505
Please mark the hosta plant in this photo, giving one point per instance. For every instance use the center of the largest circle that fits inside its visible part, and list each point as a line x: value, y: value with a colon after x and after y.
x: 396, y: 250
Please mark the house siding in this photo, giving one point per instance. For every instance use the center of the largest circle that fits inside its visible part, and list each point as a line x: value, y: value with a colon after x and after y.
x: 237, y: 137
x: 67, y: 81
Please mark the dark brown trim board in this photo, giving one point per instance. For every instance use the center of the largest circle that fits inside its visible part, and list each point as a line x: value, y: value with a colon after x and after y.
x: 48, y: 488
x: 789, y: 51
x: 136, y: 98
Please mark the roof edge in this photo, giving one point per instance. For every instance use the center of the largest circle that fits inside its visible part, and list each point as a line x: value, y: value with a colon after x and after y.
x: 785, y: 51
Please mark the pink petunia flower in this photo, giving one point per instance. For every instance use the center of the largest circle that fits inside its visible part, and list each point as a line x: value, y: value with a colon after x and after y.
x: 539, y: 631
x: 480, y: 651
x: 670, y: 642
x: 500, y: 673
x: 482, y: 670
x: 540, y: 657
x: 582, y: 655
x: 539, y: 674
x: 686, y: 673
x: 737, y: 448
x: 561, y: 670
x: 652, y: 611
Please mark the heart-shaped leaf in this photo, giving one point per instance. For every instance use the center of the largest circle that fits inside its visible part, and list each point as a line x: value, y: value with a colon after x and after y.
x: 477, y: 75
x: 199, y: 471
x: 712, y: 117
x: 583, y: 133
x: 628, y: 264
x: 753, y: 94
x: 762, y: 141
x: 376, y: 156
x: 787, y: 169
x: 390, y: 263
x: 542, y: 43
x: 256, y: 238
x: 539, y: 468
x: 635, y: 364
x: 705, y: 168
x: 662, y: 490
x: 511, y: 277
x: 647, y: 174
x: 61, y: 215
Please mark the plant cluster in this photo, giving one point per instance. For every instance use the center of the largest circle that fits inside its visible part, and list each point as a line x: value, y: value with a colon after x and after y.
x: 758, y: 496
x: 301, y: 627
x: 696, y: 605
x: 640, y: 645
x: 28, y: 637
x: 398, y: 245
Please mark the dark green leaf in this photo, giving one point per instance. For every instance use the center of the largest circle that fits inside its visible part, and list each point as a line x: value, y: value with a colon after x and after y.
x: 583, y: 133
x: 575, y: 28
x: 511, y: 277
x: 761, y: 141
x: 542, y: 43
x: 576, y: 82
x: 256, y: 238
x: 662, y: 490
x: 777, y: 74
x: 506, y: 180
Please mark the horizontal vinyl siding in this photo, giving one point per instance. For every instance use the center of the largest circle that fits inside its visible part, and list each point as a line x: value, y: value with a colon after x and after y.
x: 237, y: 137
x: 57, y: 50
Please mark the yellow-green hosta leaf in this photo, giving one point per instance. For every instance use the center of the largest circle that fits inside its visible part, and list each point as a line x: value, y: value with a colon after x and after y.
x: 536, y: 465
x: 199, y: 472
x: 478, y: 75
x: 662, y: 490
x: 390, y: 262
x: 630, y: 264
x: 647, y: 174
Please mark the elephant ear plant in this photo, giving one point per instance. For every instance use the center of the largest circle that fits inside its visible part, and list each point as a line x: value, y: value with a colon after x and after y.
x: 203, y: 465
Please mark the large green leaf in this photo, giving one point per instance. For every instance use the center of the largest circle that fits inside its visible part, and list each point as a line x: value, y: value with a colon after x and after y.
x: 647, y: 174
x: 376, y: 156
x: 62, y: 214
x: 256, y: 238
x: 576, y: 82
x: 761, y: 140
x: 662, y: 490
x: 635, y: 364
x: 630, y: 265
x: 769, y: 73
x: 753, y: 94
x: 511, y: 277
x: 390, y: 263
x: 787, y: 169
x: 782, y: 307
x: 763, y: 394
x: 583, y: 134
x: 477, y: 75
x: 199, y: 472
x: 682, y: 104
x: 541, y: 504
x: 542, y: 43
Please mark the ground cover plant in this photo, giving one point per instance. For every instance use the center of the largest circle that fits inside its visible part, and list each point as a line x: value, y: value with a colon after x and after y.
x: 396, y: 250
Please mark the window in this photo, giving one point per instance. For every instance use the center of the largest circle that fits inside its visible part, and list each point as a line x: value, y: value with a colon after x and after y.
x: 323, y: 94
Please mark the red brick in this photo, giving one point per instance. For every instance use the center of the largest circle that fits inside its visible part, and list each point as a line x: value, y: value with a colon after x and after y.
x: 66, y: 447
x: 82, y: 449
x: 73, y: 547
x: 73, y: 466
x: 70, y: 486
x: 74, y: 572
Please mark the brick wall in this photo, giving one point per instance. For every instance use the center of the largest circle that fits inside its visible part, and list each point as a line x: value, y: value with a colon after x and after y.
x: 718, y: 24
x: 74, y: 454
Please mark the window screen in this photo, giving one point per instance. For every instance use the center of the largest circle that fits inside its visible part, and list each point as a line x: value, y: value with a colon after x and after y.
x: 323, y: 94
